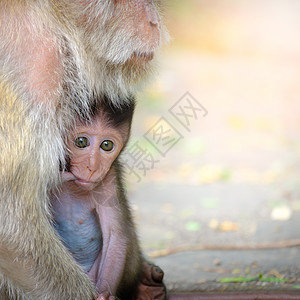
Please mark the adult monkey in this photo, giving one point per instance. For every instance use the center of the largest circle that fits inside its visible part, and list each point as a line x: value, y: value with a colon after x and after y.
x: 54, y: 55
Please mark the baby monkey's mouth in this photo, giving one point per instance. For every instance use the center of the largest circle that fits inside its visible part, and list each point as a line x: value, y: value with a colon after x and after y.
x: 84, y: 184
x: 147, y: 56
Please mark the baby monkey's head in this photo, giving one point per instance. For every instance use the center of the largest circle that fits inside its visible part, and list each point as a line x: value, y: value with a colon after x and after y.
x: 95, y: 144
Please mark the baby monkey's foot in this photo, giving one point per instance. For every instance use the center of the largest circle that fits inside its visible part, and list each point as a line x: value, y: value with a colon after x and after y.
x: 151, y: 285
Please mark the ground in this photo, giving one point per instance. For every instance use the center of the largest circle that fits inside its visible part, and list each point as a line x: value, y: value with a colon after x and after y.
x: 213, y: 163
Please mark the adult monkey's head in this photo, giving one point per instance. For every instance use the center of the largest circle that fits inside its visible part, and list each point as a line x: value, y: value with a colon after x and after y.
x: 132, y: 28
x: 103, y: 46
x: 121, y: 38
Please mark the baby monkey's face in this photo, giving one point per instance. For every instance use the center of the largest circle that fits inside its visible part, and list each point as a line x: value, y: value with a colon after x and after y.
x: 92, y: 150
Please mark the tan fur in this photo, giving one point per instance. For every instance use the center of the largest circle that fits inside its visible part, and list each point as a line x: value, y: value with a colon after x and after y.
x: 53, y: 56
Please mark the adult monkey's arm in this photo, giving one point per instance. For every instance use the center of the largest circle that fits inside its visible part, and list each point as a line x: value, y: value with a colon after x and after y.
x: 31, y: 256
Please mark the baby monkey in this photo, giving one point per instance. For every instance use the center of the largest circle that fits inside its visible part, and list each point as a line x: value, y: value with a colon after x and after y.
x: 91, y: 212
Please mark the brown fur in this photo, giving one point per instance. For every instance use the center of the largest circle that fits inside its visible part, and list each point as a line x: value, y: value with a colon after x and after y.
x: 53, y: 56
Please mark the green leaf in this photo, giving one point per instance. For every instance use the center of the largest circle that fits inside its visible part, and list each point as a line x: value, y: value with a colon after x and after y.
x: 210, y: 202
x: 192, y: 226
x: 237, y: 279
x: 272, y: 279
x: 296, y: 286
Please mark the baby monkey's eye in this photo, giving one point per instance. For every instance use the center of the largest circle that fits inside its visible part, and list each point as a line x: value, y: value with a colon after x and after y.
x: 81, y: 142
x: 107, y: 145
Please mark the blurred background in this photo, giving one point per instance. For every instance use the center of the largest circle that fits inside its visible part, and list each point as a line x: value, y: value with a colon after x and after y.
x: 230, y: 175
